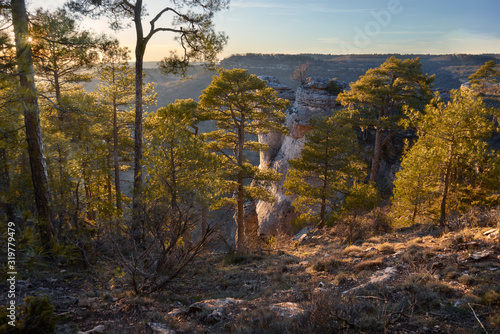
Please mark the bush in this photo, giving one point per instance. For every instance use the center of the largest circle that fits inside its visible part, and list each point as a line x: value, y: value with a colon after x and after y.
x: 36, y: 316
x: 330, y: 265
x: 334, y: 88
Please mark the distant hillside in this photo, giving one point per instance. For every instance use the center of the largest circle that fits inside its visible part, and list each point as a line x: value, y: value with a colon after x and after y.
x: 450, y: 70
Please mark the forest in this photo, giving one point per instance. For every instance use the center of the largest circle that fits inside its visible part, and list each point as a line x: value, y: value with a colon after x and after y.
x: 120, y: 215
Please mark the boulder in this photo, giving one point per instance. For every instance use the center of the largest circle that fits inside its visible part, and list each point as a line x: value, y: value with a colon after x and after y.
x: 380, y: 277
x: 287, y: 310
x: 96, y: 330
x: 219, y: 305
x: 158, y: 328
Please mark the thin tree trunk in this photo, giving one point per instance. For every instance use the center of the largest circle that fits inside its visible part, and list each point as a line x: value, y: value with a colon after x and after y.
x: 240, y: 210
x: 32, y: 123
x: 322, y: 213
x: 376, y: 155
x: 108, y: 179
x: 77, y: 208
x: 115, y: 156
x: 139, y: 59
x: 447, y: 179
x: 204, y: 224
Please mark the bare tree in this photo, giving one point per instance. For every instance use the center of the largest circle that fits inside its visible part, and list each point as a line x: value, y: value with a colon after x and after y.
x: 300, y: 71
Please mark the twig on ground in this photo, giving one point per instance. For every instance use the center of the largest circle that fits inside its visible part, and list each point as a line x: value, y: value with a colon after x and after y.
x: 475, y: 315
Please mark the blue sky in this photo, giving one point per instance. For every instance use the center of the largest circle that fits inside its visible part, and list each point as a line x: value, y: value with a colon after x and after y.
x: 341, y: 26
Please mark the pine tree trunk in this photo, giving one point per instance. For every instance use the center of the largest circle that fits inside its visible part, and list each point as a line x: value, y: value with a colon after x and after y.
x: 240, y: 210
x: 108, y: 179
x: 32, y: 123
x: 376, y: 155
x: 137, y: 190
x: 447, y: 179
x: 204, y: 224
x: 115, y: 156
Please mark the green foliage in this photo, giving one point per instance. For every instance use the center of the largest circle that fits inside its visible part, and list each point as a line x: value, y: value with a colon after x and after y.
x: 487, y: 74
x: 323, y: 176
x: 334, y: 88
x: 241, y: 104
x: 179, y: 167
x: 450, y: 156
x: 61, y: 50
x: 378, y: 98
x: 36, y: 316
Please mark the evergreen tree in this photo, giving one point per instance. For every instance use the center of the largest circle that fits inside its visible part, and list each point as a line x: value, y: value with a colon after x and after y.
x: 241, y: 104
x: 379, y: 97
x: 415, y: 185
x: 34, y: 139
x: 329, y: 165
x: 62, y: 52
x: 451, y: 152
x: 11, y: 147
x: 116, y: 91
x: 193, y: 27
x: 181, y: 179
x: 486, y: 75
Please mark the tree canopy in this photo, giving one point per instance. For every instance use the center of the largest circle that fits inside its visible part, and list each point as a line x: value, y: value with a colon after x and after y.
x: 451, y: 154
x: 241, y: 104
x: 379, y: 97
x: 329, y: 165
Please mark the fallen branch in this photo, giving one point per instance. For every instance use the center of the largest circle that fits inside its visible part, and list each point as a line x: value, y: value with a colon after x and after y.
x: 475, y: 315
x: 373, y: 297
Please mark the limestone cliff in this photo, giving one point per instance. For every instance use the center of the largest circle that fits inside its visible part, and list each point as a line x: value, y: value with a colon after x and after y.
x: 314, y: 98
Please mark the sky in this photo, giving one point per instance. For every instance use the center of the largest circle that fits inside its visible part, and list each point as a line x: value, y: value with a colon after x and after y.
x: 335, y: 27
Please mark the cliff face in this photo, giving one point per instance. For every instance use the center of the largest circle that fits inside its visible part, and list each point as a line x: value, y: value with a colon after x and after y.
x: 314, y: 98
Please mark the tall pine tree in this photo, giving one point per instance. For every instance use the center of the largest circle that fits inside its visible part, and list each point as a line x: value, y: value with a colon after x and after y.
x: 241, y: 104
x: 450, y: 154
x: 379, y: 97
x: 329, y: 165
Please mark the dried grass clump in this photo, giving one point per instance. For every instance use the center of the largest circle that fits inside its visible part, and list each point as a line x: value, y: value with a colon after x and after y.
x: 386, y: 248
x: 353, y: 250
x: 369, y: 264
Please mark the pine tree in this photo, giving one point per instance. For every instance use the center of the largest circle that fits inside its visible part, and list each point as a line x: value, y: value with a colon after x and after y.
x: 34, y: 139
x: 450, y: 153
x: 182, y: 180
x: 379, y: 97
x: 192, y: 25
x: 486, y: 75
x: 62, y: 52
x: 329, y: 165
x: 241, y: 104
x: 415, y: 185
x: 116, y: 91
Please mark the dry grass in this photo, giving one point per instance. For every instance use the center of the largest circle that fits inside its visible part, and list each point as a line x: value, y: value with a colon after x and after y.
x: 353, y: 250
x: 386, y: 248
x: 371, y: 264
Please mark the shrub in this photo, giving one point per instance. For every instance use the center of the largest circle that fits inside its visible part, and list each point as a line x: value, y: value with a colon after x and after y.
x: 334, y: 87
x: 330, y: 265
x: 466, y: 280
x: 386, y: 248
x: 36, y: 316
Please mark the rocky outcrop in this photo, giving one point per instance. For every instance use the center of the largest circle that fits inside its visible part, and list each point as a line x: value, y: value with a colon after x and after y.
x: 317, y: 97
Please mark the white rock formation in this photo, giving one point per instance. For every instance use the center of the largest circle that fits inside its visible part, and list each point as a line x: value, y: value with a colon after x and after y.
x: 314, y: 98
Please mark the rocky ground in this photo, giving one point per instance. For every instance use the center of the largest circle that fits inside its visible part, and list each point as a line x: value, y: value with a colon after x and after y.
x: 413, y: 280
